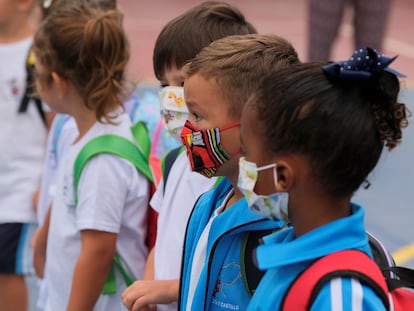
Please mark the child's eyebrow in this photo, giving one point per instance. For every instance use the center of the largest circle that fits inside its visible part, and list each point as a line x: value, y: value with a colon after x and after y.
x: 191, y: 105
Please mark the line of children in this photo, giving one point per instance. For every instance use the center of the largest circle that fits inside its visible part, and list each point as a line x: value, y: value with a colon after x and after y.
x: 22, y: 140
x: 178, y: 42
x: 310, y: 136
x: 219, y: 81
x: 76, y: 75
x: 62, y: 133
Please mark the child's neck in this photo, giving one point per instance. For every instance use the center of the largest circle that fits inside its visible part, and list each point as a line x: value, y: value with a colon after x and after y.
x: 311, y: 212
x: 237, y: 195
x: 84, y: 122
x: 15, y: 32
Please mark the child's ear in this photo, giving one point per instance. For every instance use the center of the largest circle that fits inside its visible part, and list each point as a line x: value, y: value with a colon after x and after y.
x: 285, y: 176
x: 25, y: 5
x: 61, y: 83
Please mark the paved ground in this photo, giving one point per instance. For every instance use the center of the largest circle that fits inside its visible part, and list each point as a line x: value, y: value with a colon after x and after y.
x: 389, y: 212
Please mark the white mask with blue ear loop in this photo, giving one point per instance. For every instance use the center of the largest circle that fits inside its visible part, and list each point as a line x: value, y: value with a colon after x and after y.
x: 174, y: 111
x: 274, y: 206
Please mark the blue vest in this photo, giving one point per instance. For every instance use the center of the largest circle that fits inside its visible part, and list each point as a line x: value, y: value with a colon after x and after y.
x: 221, y: 285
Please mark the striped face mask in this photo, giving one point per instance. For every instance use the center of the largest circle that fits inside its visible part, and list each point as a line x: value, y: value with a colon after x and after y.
x: 204, y: 149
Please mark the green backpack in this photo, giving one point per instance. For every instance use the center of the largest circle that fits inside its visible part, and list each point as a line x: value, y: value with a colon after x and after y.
x: 137, y: 154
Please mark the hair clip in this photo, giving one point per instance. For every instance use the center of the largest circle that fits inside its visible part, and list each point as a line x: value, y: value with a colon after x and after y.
x: 47, y: 3
x: 361, y: 66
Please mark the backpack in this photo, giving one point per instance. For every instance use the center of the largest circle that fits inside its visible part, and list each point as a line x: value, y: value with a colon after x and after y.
x: 168, y: 161
x: 28, y: 94
x: 394, y: 285
x: 137, y: 154
x: 252, y: 275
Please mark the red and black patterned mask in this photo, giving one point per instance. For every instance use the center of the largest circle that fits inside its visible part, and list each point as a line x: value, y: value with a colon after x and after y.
x: 204, y: 149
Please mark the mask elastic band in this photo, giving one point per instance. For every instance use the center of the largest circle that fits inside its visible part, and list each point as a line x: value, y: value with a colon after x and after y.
x: 229, y: 126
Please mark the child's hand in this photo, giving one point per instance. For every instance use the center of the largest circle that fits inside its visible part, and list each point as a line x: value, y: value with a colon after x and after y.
x: 144, y: 295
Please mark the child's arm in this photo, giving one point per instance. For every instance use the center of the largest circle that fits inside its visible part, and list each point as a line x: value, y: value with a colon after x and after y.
x: 39, y: 244
x: 92, y: 268
x: 145, y: 293
x: 149, y: 266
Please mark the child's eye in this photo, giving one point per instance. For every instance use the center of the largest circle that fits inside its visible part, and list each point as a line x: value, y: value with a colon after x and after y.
x: 197, y: 117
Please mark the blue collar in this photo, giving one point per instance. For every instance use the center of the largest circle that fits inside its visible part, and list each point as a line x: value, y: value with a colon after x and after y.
x: 282, y: 248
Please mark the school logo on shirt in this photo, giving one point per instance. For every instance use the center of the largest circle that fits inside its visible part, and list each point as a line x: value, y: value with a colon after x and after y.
x: 13, y: 88
x: 230, y: 276
x: 68, y: 190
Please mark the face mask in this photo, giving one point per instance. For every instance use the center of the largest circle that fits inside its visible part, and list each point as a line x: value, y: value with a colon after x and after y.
x: 173, y: 109
x: 204, y: 150
x: 274, y: 206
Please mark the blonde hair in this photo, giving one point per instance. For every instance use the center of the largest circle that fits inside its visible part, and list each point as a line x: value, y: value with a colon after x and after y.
x: 238, y: 64
x: 88, y: 47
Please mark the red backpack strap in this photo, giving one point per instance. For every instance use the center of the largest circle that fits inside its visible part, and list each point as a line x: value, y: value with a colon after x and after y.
x: 152, y: 222
x: 348, y: 263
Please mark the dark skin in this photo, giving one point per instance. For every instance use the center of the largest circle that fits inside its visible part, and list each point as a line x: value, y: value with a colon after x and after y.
x: 310, y: 206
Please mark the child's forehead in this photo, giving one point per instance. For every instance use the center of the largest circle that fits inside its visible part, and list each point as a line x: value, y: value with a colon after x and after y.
x: 200, y: 86
x: 173, y: 75
x: 205, y: 93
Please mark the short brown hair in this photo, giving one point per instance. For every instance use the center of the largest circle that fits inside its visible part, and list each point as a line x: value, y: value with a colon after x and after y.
x: 89, y: 48
x: 340, y: 126
x: 238, y: 64
x: 184, y: 36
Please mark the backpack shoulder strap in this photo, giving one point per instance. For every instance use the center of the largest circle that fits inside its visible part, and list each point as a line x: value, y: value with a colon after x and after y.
x: 168, y: 161
x: 404, y: 277
x: 381, y: 256
x: 142, y: 138
x: 250, y: 272
x: 122, y: 147
x: 113, y: 144
x: 29, y: 89
x: 348, y: 263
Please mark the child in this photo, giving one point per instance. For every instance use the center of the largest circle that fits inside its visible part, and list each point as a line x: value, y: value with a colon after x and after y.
x: 207, y: 21
x: 194, y: 29
x: 311, y: 136
x: 23, y: 136
x: 62, y: 133
x: 218, y: 83
x: 76, y: 75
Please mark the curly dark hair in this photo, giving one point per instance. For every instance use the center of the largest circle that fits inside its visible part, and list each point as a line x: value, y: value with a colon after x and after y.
x: 341, y: 127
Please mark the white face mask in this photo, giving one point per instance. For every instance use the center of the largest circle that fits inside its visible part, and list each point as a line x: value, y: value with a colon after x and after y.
x: 274, y: 206
x: 174, y: 112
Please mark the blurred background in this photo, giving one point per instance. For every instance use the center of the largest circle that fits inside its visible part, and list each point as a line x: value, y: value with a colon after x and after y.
x: 389, y: 213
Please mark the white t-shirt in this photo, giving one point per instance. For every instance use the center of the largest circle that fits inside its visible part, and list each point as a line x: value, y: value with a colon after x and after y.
x: 22, y: 138
x: 199, y: 257
x: 174, y: 207
x: 112, y: 197
x: 63, y: 132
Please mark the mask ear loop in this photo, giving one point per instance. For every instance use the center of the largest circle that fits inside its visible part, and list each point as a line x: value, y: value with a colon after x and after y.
x: 273, y: 165
x: 275, y: 176
x: 229, y: 126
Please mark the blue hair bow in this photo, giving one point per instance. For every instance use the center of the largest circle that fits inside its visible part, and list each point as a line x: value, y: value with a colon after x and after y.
x: 361, y: 66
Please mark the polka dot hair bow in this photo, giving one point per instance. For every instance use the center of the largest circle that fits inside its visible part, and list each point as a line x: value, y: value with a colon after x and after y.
x: 361, y: 66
